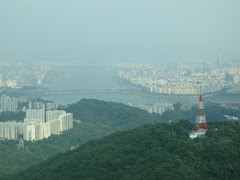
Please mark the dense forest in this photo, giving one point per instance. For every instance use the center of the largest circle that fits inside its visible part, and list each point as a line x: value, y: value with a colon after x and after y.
x: 159, y: 151
x: 98, y: 119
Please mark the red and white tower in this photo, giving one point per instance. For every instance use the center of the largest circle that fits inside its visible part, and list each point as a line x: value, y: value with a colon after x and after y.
x: 201, y: 122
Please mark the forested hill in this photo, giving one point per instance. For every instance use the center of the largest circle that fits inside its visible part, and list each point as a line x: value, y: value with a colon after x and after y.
x: 98, y: 119
x: 111, y: 115
x: 159, y: 151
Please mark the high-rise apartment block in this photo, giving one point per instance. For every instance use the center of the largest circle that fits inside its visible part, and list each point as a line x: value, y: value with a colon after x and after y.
x: 8, y: 104
x: 10, y: 130
x: 158, y: 107
x: 42, y: 105
x: 66, y: 121
x: 54, y: 114
x: 35, y: 127
x: 35, y: 115
x: 36, y: 105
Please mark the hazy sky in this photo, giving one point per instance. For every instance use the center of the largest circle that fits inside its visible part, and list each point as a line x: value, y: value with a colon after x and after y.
x: 32, y: 30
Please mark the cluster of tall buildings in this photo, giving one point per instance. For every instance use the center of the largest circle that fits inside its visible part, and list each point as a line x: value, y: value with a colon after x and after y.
x: 37, y: 125
x: 41, y: 105
x: 36, y: 105
x: 9, y: 103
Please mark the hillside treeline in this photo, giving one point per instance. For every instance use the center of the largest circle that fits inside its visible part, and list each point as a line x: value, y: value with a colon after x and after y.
x: 159, y: 151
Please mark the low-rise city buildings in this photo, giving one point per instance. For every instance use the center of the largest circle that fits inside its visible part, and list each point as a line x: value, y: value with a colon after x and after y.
x: 180, y: 79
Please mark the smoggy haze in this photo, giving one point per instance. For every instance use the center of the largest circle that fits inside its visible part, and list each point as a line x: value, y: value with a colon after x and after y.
x: 104, y: 30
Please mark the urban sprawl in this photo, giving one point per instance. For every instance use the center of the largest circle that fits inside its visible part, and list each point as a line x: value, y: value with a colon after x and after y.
x: 20, y: 75
x: 175, y: 78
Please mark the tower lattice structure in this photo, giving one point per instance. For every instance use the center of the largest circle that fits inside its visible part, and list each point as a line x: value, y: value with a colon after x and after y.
x: 201, y: 122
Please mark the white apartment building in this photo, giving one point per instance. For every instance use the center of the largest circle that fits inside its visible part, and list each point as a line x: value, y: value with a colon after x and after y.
x: 35, y: 115
x: 37, y: 131
x: 8, y: 104
x: 9, y: 130
x: 34, y: 129
x: 1, y: 130
x: 55, y: 126
x: 157, y: 107
x: 51, y: 106
x: 36, y: 105
x: 29, y: 131
x: 50, y: 115
x: 66, y: 121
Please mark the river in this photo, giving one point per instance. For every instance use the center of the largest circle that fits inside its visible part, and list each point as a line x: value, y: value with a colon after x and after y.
x: 84, y: 78
x: 99, y: 77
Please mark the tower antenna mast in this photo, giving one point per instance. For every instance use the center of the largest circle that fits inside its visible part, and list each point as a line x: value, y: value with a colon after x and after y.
x: 201, y: 118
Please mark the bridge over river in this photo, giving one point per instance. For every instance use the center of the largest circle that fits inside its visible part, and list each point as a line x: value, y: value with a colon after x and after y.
x: 107, y: 90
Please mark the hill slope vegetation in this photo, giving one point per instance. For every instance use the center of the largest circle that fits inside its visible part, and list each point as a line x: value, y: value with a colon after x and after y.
x: 159, y: 151
x: 98, y: 119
